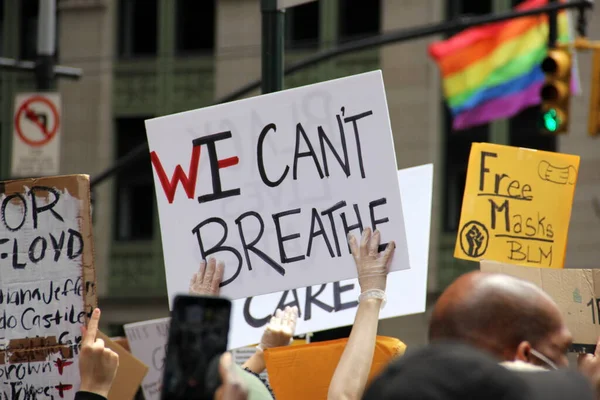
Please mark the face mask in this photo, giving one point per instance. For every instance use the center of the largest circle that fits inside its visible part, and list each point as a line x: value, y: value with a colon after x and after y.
x: 543, y: 358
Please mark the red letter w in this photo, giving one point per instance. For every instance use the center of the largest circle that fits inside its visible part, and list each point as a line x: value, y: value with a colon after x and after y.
x: 188, y: 182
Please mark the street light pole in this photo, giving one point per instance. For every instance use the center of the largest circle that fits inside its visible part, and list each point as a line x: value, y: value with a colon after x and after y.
x: 273, y: 22
x: 46, y: 45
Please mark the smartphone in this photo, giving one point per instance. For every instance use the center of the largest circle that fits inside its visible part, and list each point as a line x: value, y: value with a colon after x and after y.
x: 197, y: 339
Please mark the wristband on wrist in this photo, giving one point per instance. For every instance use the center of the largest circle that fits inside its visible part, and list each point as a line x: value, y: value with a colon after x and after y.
x: 373, y: 294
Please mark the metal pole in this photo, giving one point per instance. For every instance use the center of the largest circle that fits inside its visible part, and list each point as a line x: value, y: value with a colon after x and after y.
x: 273, y: 21
x: 46, y: 44
x: 398, y: 36
x: 552, y: 26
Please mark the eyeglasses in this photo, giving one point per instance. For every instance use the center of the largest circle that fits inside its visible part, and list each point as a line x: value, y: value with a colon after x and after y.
x: 543, y: 358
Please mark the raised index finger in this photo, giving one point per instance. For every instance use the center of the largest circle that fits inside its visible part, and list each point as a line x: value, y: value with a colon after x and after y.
x: 92, y: 328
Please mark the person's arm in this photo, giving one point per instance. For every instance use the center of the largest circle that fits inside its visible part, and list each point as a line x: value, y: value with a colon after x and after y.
x: 351, y: 374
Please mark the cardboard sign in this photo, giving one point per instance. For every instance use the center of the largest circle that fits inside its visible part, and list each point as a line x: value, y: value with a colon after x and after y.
x: 274, y: 184
x: 333, y: 305
x: 575, y: 291
x: 148, y: 342
x: 130, y: 373
x: 47, y: 284
x: 517, y: 206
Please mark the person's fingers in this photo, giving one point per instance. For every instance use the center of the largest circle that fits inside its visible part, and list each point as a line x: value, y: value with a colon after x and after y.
x: 387, y: 253
x: 292, y: 319
x: 597, y: 351
x: 374, y: 243
x: 364, y: 242
x: 218, y: 278
x: 193, y: 282
x: 201, y: 271
x: 92, y: 329
x: 279, y: 314
x: 98, y: 344
x: 210, y: 272
x: 584, y: 358
x: 353, y: 245
x: 224, y: 366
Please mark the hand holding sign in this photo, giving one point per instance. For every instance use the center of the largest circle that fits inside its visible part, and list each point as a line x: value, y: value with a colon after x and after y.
x: 208, y: 279
x: 281, y: 328
x: 97, y: 364
x: 372, y: 266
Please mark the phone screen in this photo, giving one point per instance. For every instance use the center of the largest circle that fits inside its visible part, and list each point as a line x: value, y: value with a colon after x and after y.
x: 197, y: 339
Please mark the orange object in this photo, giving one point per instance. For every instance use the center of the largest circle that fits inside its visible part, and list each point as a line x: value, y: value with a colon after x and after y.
x: 305, y: 371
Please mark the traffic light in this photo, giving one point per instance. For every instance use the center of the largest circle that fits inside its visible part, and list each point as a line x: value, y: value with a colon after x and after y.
x: 594, y: 115
x: 556, y: 91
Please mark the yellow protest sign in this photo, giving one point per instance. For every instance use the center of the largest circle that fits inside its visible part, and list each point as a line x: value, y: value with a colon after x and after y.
x: 516, y: 206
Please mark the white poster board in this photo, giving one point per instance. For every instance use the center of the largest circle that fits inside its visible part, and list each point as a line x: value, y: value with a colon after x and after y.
x: 272, y: 185
x: 148, y: 342
x: 334, y: 304
x: 36, y: 135
x: 47, y: 285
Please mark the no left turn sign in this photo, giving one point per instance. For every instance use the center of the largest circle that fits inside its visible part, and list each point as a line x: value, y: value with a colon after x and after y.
x: 37, y: 121
x: 36, y: 135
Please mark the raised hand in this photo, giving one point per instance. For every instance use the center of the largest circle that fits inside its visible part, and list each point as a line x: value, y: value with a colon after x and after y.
x: 280, y: 330
x: 372, y: 266
x: 209, y: 277
x: 97, y: 364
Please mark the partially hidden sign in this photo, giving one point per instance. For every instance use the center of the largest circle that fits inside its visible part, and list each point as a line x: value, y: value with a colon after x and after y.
x: 273, y: 185
x: 575, y: 291
x: 47, y: 284
x: 516, y: 206
x: 148, y: 342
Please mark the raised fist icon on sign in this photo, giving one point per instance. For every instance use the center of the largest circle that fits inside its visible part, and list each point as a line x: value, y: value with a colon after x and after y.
x: 474, y: 239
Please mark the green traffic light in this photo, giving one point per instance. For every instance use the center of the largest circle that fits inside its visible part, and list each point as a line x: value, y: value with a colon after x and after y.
x: 550, y: 120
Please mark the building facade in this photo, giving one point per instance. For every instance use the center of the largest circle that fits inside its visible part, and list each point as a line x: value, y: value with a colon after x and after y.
x: 146, y: 58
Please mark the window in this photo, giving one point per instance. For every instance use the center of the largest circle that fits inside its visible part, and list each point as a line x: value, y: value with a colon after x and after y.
x: 138, y: 28
x: 195, y: 26
x: 458, y: 144
x: 359, y: 19
x: 525, y: 131
x: 302, y: 26
x: 135, y: 190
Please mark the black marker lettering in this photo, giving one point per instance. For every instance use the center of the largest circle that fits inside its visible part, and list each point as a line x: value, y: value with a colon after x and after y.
x: 324, y: 139
x: 215, y: 166
x: 312, y: 299
x: 329, y: 212
x: 35, y: 210
x: 250, y: 320
x: 353, y: 119
x: 57, y: 245
x: 309, y: 153
x: 316, y: 218
x: 42, y: 252
x: 72, y: 250
x: 338, y: 289
x: 218, y: 247
x: 260, y: 159
x: 281, y: 239
x: 350, y: 228
x: 5, y: 203
x: 483, y: 169
x: 251, y: 246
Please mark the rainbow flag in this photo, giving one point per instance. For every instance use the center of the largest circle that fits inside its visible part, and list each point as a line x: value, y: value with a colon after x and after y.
x: 494, y: 71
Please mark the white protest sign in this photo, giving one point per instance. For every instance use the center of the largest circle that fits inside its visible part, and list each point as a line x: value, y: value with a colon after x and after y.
x: 333, y: 305
x: 148, y: 342
x: 36, y: 138
x: 47, y: 285
x: 276, y: 200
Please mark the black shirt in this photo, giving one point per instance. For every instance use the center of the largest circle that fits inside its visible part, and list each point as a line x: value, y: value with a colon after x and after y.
x: 88, y: 396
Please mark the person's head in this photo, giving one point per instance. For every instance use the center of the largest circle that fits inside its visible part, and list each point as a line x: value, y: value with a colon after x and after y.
x: 511, y: 318
x: 448, y: 371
